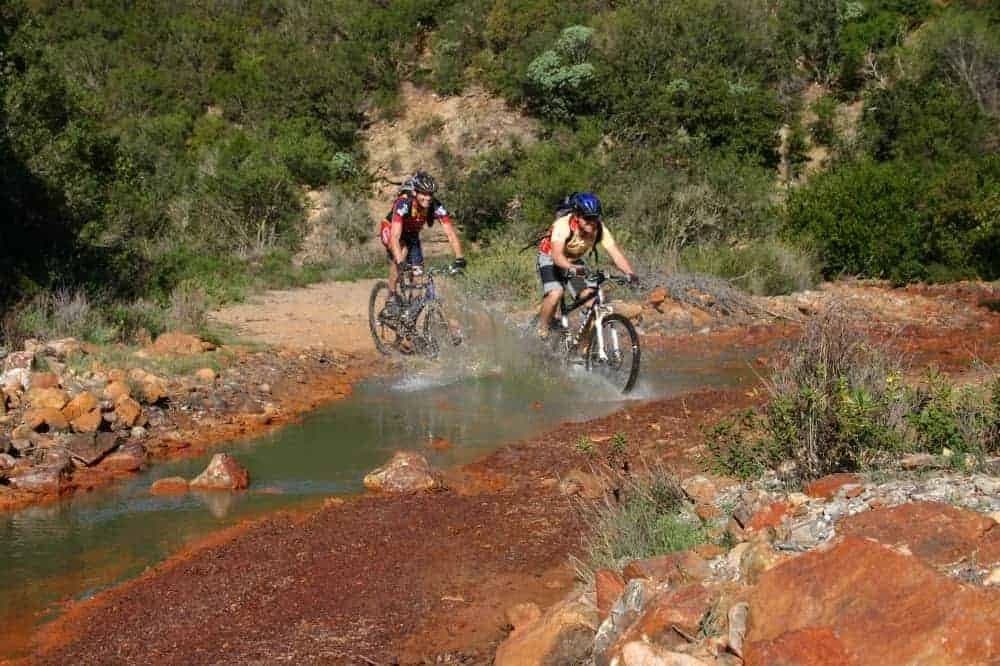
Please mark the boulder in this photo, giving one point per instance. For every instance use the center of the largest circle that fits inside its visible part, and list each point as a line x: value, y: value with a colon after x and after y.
x: 62, y: 348
x: 629, y: 309
x: 674, y: 568
x: 115, y: 390
x: 181, y: 344
x: 520, y: 615
x: 89, y: 449
x: 939, y: 534
x: 758, y: 557
x: 561, y: 636
x: 45, y: 419
x: 623, y: 614
x: 815, y: 646
x: 205, y: 375
x: 608, y: 588
x: 770, y: 516
x: 81, y: 404
x: 407, y: 472
x: 827, y: 487
x: 171, y: 485
x: 222, y: 473
x: 700, y: 489
x: 48, y: 480
x: 915, y: 461
x: 657, y: 296
x: 886, y: 607
x: 45, y: 380
x: 53, y: 398
x: 638, y: 653
x: 130, y: 457
x: 673, y: 609
x: 88, y: 422
x: 127, y: 412
x: 151, y: 389
x: 22, y: 360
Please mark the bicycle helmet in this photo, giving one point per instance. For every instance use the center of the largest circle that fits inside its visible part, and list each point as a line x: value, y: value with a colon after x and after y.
x: 423, y: 182
x: 586, y: 204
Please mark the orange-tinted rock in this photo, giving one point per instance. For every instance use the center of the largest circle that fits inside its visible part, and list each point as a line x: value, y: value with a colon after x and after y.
x: 129, y: 458
x: 44, y: 380
x: 88, y: 422
x: 172, y: 485
x: 707, y: 511
x: 205, y: 375
x: 222, y: 473
x: 700, y: 488
x: 657, y: 296
x: 770, y: 516
x: 521, y: 615
x: 681, y: 607
x: 578, y: 482
x: 407, y: 472
x: 817, y: 646
x: 827, y: 487
x: 88, y: 449
x: 608, y: 586
x: 887, y: 608
x: 127, y: 411
x: 563, y: 635
x: 116, y: 390
x: 939, y: 534
x: 181, y: 344
x: 47, y: 398
x: 673, y: 567
x: 80, y: 405
x: 42, y: 480
x: 45, y: 418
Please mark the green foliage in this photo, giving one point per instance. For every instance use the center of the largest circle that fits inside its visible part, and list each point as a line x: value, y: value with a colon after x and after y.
x: 649, y: 520
x: 763, y: 267
x: 560, y: 82
x: 824, y: 128
x: 739, y: 447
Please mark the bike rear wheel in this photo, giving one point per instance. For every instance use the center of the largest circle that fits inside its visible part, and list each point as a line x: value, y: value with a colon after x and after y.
x: 621, y: 346
x: 385, y: 336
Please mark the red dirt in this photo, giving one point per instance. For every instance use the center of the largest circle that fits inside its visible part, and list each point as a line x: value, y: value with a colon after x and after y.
x: 378, y: 578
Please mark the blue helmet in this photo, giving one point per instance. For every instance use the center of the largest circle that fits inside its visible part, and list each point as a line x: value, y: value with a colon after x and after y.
x: 586, y: 204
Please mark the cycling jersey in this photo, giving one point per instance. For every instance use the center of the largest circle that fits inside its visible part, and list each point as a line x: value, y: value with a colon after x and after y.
x: 567, y: 229
x: 406, y: 212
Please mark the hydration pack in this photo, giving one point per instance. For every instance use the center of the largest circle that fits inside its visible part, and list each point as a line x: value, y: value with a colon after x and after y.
x: 562, y: 209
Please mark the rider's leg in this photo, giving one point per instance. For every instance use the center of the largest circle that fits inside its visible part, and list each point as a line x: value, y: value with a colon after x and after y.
x: 548, y: 308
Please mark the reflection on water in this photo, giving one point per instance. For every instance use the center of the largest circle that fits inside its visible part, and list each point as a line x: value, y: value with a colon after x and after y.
x: 476, y: 398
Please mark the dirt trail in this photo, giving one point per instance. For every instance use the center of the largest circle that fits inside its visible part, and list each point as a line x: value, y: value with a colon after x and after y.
x: 329, y: 315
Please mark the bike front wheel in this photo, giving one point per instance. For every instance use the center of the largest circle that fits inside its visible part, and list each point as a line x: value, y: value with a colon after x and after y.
x: 434, y: 329
x: 620, y: 362
x: 383, y: 327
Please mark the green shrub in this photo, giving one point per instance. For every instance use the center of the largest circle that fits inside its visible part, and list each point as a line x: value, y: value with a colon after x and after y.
x: 765, y: 267
x: 649, y: 519
x: 824, y: 128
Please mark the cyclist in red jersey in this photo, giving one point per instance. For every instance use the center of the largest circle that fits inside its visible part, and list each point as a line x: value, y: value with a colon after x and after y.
x: 399, y: 232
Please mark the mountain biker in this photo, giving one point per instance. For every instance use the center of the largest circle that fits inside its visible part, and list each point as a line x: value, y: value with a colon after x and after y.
x: 399, y: 232
x: 561, y: 252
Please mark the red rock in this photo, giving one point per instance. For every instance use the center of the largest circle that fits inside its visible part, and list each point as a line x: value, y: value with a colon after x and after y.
x: 914, y: 615
x: 181, y: 344
x: 608, y: 586
x: 827, y: 487
x: 817, y: 646
x: 172, y: 485
x: 939, y: 534
x: 22, y: 360
x: 682, y: 607
x: 709, y: 550
x: 89, y: 422
x: 407, y: 472
x: 205, y: 375
x: 43, y: 480
x: 222, y: 473
x: 657, y: 296
x: 127, y: 411
x: 707, y: 511
x: 129, y: 458
x: 770, y: 516
x: 700, y: 489
x: 116, y: 390
x: 988, y: 553
x: 673, y: 567
x: 45, y: 418
x: 88, y: 449
x: 578, y: 482
x: 52, y: 398
x: 563, y: 635
x: 521, y: 615
x: 80, y: 405
x: 44, y: 380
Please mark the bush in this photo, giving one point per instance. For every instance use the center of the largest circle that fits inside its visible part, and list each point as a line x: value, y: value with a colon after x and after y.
x: 766, y: 267
x: 560, y: 83
x: 648, y: 519
x: 824, y: 128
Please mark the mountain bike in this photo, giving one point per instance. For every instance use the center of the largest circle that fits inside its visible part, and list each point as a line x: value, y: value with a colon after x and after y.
x: 606, y: 342
x: 418, y: 325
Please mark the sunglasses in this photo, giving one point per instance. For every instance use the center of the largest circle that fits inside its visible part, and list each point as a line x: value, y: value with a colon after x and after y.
x: 592, y: 219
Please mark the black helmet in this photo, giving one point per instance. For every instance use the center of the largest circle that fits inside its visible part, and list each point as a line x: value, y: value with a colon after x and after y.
x: 423, y: 182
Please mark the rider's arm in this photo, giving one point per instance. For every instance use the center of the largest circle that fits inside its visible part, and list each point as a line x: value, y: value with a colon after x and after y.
x: 449, y: 231
x: 611, y: 247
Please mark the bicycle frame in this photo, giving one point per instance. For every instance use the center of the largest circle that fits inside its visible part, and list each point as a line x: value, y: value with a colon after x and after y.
x: 597, y: 310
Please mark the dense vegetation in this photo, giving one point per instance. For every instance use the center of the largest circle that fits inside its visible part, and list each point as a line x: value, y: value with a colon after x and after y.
x: 149, y: 150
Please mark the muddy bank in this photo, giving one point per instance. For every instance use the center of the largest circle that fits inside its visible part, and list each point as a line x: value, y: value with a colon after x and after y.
x: 329, y: 587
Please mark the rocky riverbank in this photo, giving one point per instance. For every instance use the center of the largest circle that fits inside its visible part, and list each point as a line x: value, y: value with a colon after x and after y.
x: 74, y: 416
